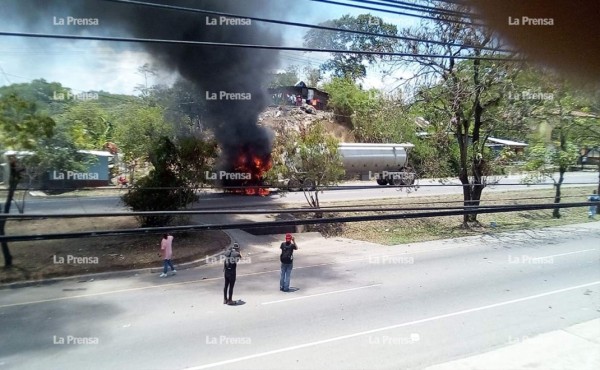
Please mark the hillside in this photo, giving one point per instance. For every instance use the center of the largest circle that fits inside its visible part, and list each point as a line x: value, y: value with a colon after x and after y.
x: 284, y: 118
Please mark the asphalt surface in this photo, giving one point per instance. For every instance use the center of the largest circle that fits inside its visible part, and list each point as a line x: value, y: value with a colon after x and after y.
x: 83, y: 204
x: 355, y: 306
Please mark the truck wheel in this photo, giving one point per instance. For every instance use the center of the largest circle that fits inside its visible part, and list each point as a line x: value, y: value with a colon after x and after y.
x: 395, y: 181
x: 293, y: 185
x: 408, y: 177
x: 409, y: 180
x: 382, y: 181
x: 308, y: 184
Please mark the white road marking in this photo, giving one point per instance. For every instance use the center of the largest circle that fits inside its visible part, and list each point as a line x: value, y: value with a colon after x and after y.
x: 219, y: 278
x: 354, y: 335
x: 564, y: 254
x: 206, y: 279
x: 320, y: 294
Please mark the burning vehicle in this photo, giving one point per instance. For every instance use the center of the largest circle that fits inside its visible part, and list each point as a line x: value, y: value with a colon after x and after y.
x: 246, y: 171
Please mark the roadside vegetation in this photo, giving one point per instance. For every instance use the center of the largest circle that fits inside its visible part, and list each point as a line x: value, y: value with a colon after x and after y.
x: 391, y: 232
x: 41, y: 259
x: 460, y: 93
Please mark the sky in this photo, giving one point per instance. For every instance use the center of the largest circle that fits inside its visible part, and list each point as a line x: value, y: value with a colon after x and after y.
x: 113, y: 67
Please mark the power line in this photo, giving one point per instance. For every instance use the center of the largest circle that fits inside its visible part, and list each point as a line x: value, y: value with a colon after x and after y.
x: 415, y: 7
x: 256, y: 211
x: 5, y: 75
x: 272, y: 224
x: 248, y: 46
x: 295, y: 24
x: 455, y: 2
x: 399, y: 13
x: 452, y: 201
x: 320, y: 188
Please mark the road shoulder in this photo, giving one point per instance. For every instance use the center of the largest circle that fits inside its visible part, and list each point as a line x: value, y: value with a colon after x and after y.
x: 575, y: 347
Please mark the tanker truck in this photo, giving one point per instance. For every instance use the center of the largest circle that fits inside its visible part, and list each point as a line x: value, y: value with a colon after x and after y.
x: 384, y: 163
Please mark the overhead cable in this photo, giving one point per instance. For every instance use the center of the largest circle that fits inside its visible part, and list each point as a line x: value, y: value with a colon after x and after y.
x: 296, y: 24
x: 248, y: 46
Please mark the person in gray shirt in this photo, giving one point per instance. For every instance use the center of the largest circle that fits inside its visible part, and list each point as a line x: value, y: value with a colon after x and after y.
x: 287, y: 262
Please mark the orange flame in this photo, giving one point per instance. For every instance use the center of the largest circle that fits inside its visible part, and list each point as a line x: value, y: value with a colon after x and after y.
x: 250, y: 163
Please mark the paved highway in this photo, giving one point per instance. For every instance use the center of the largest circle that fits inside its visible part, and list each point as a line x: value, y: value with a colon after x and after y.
x: 355, y: 306
x: 218, y: 200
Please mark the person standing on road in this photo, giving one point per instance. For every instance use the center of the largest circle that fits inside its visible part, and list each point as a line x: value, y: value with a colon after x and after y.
x: 166, y: 250
x: 232, y: 257
x: 287, y: 259
x: 593, y: 198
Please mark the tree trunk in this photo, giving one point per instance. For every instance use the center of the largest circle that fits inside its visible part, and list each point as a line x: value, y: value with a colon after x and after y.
x: 562, y: 168
x: 464, y: 180
x: 131, y: 173
x: 477, y: 186
x: 598, y: 177
x: 12, y: 186
x: 477, y: 164
x: 463, y: 145
x: 561, y: 177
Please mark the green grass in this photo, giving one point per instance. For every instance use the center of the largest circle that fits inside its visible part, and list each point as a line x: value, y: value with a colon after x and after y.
x: 391, y: 232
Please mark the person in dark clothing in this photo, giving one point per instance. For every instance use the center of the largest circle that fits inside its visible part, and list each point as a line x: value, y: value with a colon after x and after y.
x: 593, y: 208
x: 232, y: 257
x: 287, y: 259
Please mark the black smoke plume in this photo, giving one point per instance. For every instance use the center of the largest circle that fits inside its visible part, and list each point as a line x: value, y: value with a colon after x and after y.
x: 213, y: 70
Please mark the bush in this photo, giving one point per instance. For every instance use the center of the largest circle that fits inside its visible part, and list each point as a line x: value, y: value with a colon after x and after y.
x: 164, y: 189
x: 157, y: 193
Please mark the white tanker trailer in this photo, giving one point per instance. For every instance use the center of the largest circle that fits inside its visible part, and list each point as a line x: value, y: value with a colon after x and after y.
x: 384, y: 163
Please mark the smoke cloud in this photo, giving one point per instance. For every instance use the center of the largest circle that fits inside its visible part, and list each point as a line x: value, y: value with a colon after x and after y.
x: 231, y: 79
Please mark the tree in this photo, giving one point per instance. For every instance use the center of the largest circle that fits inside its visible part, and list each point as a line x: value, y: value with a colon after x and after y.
x: 137, y: 129
x: 564, y: 118
x: 463, y: 91
x: 350, y: 65
x: 21, y: 128
x: 544, y: 160
x: 348, y: 100
x: 289, y: 77
x: 182, y: 107
x: 196, y: 156
x: 311, y: 156
x: 173, y: 180
x: 50, y: 98
x: 147, y: 71
x: 313, y: 76
x: 87, y: 125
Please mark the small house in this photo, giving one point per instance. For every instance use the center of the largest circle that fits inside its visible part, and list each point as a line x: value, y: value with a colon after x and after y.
x: 299, y: 94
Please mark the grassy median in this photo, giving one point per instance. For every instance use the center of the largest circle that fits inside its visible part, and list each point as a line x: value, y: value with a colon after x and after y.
x: 391, y: 232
